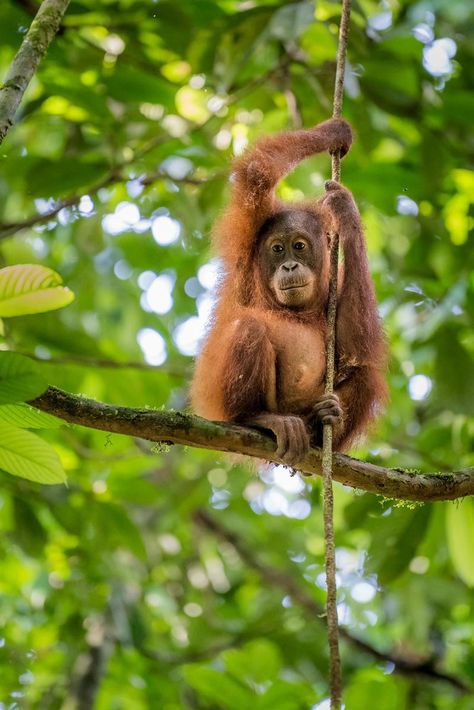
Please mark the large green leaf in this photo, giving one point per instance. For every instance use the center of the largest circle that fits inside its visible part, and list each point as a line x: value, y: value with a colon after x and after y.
x: 58, y: 178
x: 27, y: 417
x: 460, y: 532
x: 371, y: 688
x: 30, y: 534
x: 259, y: 660
x: 119, y: 527
x: 454, y: 386
x: 218, y: 688
x: 25, y: 455
x: 31, y: 288
x: 130, y: 84
x: 395, y: 541
x: 20, y: 378
x: 291, y: 20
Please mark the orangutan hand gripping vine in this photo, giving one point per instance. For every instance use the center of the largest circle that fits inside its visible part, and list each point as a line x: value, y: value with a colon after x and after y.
x: 264, y: 359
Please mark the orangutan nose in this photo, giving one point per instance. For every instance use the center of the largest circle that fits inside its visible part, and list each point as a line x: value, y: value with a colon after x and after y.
x: 290, y: 266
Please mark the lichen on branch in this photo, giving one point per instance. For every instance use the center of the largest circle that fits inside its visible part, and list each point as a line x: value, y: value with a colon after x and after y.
x: 187, y: 429
x: 24, y: 64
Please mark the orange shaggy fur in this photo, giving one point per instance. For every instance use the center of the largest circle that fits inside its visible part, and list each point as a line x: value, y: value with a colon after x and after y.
x: 260, y: 356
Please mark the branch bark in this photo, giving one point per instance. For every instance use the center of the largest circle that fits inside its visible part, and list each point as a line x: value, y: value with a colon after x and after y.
x: 31, y: 52
x: 189, y: 430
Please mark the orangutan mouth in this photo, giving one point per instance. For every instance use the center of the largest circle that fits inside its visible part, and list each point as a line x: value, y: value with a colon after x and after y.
x: 291, y: 286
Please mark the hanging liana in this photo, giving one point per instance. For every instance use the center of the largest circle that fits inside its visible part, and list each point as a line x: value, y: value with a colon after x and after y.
x: 335, y: 682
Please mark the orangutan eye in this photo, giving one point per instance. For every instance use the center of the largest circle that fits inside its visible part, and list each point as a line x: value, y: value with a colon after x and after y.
x: 277, y: 248
x: 299, y: 246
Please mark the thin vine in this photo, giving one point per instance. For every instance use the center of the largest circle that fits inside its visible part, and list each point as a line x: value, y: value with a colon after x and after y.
x: 335, y: 681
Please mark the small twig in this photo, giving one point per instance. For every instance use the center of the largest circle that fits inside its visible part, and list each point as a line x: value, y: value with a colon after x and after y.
x: 31, y: 52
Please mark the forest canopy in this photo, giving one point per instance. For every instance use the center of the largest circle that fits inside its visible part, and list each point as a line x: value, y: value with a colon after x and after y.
x: 177, y: 577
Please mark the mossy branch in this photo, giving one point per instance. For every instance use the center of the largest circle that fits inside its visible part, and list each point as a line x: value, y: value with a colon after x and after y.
x: 31, y: 52
x: 189, y: 430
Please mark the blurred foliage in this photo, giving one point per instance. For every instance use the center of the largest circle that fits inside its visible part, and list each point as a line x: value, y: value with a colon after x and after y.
x: 112, y: 595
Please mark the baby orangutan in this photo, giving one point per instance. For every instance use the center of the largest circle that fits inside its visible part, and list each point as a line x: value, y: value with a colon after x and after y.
x: 264, y: 359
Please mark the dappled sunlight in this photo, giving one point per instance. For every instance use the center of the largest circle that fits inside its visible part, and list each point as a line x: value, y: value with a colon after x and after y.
x: 153, y: 346
x: 363, y: 592
x: 146, y: 278
x: 406, y: 206
x: 192, y: 287
x: 177, y: 167
x: 380, y: 22
x: 324, y: 705
x: 438, y: 56
x: 123, y: 270
x: 125, y: 216
x: 165, y: 230
x: 135, y: 187
x: 279, y: 492
x: 419, y: 387
x: 188, y: 335
x: 170, y: 575
x: 287, y: 481
x: 437, y: 53
x: 159, y: 294
x: 86, y: 205
x: 208, y: 274
x: 423, y: 33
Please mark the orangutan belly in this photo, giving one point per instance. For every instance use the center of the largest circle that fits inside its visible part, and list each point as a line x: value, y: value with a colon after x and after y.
x: 300, y: 366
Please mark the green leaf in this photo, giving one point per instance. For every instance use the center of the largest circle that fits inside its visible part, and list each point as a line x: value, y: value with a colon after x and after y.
x: 20, y: 378
x: 460, y: 533
x: 358, y: 510
x: 258, y: 660
x: 457, y: 106
x: 285, y: 695
x: 128, y: 84
x: 119, y: 527
x: 26, y: 417
x: 30, y: 534
x: 291, y: 20
x: 395, y: 541
x: 31, y: 288
x: 454, y: 386
x: 25, y: 455
x: 371, y: 688
x: 218, y: 688
x: 63, y: 177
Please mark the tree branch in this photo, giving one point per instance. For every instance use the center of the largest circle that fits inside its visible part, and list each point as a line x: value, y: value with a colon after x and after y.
x: 117, y: 174
x: 107, y: 363
x: 189, y: 430
x: 31, y: 52
x: 88, y: 684
x: 289, y: 585
x: 7, y: 229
